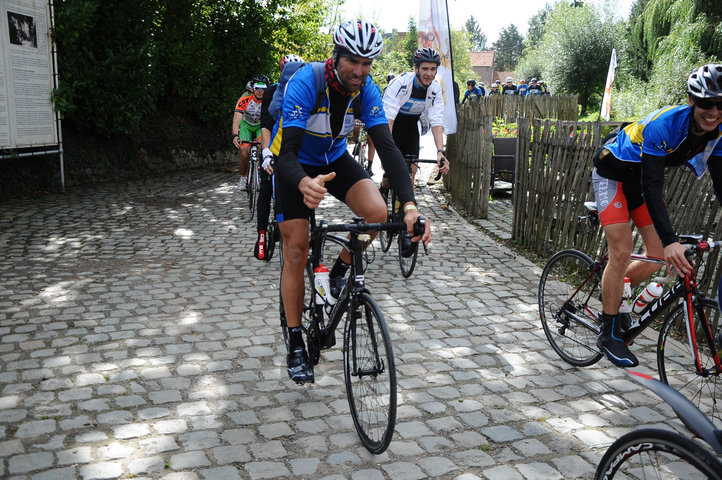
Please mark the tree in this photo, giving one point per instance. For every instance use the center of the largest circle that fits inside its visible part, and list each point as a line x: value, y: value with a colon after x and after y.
x: 575, y: 51
x: 508, y: 48
x: 476, y: 36
x: 537, y: 27
x: 411, y: 43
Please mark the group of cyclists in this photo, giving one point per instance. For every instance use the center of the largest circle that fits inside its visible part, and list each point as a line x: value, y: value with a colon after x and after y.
x: 305, y: 153
x: 534, y: 87
x: 308, y: 144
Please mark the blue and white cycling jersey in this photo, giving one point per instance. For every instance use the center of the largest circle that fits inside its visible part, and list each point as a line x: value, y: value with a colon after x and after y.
x: 299, y: 110
x: 659, y: 134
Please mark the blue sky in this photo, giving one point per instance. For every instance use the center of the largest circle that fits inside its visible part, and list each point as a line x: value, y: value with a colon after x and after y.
x: 492, y: 15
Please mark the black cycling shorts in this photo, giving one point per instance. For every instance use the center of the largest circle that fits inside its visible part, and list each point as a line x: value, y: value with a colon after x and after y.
x: 289, y: 200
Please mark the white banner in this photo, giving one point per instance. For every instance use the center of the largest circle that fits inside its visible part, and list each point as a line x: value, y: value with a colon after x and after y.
x: 27, y: 118
x: 607, y: 99
x: 434, y: 33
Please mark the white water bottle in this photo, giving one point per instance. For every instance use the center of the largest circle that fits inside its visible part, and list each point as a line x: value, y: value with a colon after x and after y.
x: 321, y: 284
x: 626, y: 305
x: 649, y: 294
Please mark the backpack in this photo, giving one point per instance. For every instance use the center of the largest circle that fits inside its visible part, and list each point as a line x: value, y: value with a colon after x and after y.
x: 289, y: 70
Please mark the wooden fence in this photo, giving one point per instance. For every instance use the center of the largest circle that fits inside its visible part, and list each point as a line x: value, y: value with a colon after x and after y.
x: 553, y: 180
x: 511, y: 107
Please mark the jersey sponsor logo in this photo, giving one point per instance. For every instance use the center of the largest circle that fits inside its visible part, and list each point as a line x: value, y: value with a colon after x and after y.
x: 297, y: 112
x: 375, y: 112
x: 617, y: 204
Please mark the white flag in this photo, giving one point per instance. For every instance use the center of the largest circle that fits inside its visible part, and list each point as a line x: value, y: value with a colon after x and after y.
x: 434, y: 33
x: 607, y: 99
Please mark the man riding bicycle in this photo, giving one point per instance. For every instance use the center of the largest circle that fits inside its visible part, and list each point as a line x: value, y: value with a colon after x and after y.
x: 310, y: 141
x: 408, y: 98
x: 628, y: 180
x: 247, y: 124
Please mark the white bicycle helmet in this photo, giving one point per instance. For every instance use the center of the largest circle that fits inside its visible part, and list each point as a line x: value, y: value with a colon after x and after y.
x: 360, y: 38
x: 706, y: 81
x: 291, y: 57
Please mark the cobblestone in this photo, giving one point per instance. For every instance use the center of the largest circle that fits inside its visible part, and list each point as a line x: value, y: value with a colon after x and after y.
x: 139, y: 338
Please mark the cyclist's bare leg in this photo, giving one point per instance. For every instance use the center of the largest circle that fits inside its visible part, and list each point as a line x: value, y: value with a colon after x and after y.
x: 619, y: 239
x: 295, y: 254
x: 639, y: 271
x: 245, y: 154
x: 364, y: 199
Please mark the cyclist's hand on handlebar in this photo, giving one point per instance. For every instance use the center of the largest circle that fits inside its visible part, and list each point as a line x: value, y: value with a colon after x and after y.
x: 410, y: 219
x: 313, y: 189
x: 236, y: 141
x: 443, y: 163
x: 674, y: 256
x: 267, y: 159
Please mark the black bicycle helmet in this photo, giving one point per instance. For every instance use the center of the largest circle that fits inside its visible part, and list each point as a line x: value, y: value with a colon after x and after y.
x: 706, y: 81
x: 426, y: 55
x: 471, y: 82
x: 390, y: 77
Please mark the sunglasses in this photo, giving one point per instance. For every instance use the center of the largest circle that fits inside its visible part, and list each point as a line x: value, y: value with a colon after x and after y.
x: 707, y: 104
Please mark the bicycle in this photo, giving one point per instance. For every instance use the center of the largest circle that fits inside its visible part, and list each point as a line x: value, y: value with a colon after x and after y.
x: 407, y: 257
x: 369, y: 369
x: 658, y: 453
x: 253, y: 179
x: 687, y: 353
x: 360, y: 150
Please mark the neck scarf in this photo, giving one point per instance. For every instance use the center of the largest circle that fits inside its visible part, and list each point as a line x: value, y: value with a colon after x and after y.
x: 332, y: 79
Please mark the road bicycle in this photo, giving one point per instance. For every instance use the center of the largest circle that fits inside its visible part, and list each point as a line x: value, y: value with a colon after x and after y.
x: 687, y: 353
x: 360, y: 150
x: 253, y: 177
x: 657, y: 453
x: 407, y: 252
x: 368, y: 359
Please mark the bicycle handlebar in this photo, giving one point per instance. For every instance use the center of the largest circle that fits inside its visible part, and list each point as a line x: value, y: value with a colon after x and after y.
x: 361, y: 226
x: 250, y: 142
x: 701, y: 246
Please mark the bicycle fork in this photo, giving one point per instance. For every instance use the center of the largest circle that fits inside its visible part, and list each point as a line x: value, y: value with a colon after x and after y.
x: 692, y: 338
x: 378, y: 367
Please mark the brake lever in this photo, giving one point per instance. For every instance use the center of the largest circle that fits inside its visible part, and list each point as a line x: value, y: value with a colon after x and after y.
x: 438, y: 175
x: 420, y: 229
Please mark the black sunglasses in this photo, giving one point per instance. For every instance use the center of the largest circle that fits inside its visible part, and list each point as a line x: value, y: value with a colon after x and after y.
x: 707, y: 104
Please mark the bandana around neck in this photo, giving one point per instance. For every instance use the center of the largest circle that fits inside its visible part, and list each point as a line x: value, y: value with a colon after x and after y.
x: 332, y: 79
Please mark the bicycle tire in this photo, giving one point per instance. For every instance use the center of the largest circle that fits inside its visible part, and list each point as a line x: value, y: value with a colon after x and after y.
x: 386, y: 236
x: 372, y: 395
x: 407, y: 264
x: 657, y: 453
x: 270, y: 240
x: 676, y: 363
x: 572, y: 330
x: 252, y: 190
x: 311, y: 312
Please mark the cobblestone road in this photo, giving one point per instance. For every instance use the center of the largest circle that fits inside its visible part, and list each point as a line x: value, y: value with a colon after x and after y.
x: 139, y: 338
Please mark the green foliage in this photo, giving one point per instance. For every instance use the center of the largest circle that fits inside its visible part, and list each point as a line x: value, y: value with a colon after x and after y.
x: 575, y: 51
x: 411, y: 44
x: 121, y: 60
x: 508, y: 49
x: 461, y: 46
x: 537, y: 27
x: 476, y: 36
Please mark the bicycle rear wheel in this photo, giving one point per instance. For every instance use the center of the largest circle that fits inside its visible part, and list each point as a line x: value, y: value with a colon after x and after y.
x: 369, y: 373
x: 656, y: 453
x: 407, y: 264
x: 569, y: 306
x: 676, y: 362
x: 385, y: 236
x: 252, y: 189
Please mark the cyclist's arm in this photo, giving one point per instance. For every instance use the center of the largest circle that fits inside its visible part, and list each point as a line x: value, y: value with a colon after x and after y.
x: 393, y: 162
x: 438, y: 133
x: 235, y: 126
x: 288, y: 165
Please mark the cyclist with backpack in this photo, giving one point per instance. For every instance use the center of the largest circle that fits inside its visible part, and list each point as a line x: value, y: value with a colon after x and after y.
x: 628, y: 180
x: 310, y: 141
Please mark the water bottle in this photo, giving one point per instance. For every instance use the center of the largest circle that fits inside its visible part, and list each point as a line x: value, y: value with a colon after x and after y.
x: 648, y: 295
x: 321, y: 284
x: 626, y: 306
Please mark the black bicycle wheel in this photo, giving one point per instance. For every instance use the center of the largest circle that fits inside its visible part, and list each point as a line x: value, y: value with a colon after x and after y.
x: 312, y: 314
x: 385, y: 236
x: 270, y: 240
x: 676, y: 362
x: 370, y: 374
x: 407, y: 264
x: 252, y: 190
x: 655, y: 453
x: 569, y: 305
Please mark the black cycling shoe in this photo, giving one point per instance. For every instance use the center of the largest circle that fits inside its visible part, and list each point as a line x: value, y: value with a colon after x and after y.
x: 611, y: 343
x: 337, y: 284
x: 299, y: 368
x: 407, y: 246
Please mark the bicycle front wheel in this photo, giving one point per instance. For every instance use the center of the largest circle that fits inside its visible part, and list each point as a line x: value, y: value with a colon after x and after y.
x: 569, y: 306
x: 385, y: 236
x: 252, y: 190
x: 656, y: 453
x: 676, y: 357
x: 407, y: 264
x: 369, y: 373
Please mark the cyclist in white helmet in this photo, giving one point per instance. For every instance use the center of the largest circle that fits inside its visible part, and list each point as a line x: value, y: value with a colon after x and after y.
x: 310, y: 142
